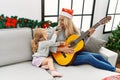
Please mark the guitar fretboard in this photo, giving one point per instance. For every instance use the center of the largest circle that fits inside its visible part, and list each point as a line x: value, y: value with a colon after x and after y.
x: 83, y: 36
x: 96, y: 25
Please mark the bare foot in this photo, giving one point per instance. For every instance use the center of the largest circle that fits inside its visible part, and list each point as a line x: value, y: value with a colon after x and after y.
x: 117, y: 70
x: 45, y: 67
x: 55, y: 73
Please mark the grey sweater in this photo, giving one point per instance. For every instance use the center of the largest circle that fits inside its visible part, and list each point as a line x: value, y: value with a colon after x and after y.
x: 60, y: 37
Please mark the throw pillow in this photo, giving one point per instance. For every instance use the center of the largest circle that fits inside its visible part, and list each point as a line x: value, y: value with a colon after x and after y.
x: 93, y: 44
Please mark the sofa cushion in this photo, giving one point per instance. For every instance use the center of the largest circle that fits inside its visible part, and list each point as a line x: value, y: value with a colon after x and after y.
x: 111, y: 56
x: 15, y: 45
x: 93, y: 44
x: 82, y: 72
x: 23, y: 71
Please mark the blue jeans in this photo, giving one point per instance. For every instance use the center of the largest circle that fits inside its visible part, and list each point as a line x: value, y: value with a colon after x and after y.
x: 93, y: 59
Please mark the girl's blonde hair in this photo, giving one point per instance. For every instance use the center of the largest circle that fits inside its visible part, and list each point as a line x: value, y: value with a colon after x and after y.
x: 37, y: 36
x: 70, y: 28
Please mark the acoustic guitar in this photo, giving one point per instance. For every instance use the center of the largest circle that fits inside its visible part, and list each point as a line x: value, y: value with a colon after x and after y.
x: 77, y: 43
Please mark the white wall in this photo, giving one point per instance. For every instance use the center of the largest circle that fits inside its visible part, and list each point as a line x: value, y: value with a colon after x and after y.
x: 100, y: 12
x: 22, y: 8
x: 32, y: 9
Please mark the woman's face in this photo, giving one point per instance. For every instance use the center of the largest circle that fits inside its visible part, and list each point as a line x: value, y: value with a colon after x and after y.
x: 61, y: 21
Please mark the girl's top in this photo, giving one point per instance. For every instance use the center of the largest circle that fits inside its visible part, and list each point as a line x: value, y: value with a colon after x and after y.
x: 43, y: 46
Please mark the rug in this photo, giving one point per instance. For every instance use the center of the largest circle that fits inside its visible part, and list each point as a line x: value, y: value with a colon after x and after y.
x: 114, y: 77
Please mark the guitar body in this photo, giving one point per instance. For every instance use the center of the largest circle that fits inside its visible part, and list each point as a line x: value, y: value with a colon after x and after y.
x: 60, y: 59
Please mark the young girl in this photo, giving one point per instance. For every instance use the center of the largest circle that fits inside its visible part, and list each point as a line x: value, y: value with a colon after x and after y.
x: 40, y: 48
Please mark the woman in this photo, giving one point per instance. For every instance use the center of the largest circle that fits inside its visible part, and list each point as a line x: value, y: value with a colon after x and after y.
x: 68, y: 28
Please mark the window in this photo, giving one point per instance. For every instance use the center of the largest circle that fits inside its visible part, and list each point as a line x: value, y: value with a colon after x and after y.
x: 113, y: 11
x: 83, y: 11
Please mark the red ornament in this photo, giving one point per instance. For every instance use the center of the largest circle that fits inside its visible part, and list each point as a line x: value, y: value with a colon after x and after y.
x: 45, y: 25
x: 25, y: 20
x: 11, y: 22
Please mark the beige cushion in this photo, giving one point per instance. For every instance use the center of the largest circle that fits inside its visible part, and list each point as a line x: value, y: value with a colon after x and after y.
x: 15, y: 45
x: 82, y: 72
x: 24, y: 71
x: 93, y: 44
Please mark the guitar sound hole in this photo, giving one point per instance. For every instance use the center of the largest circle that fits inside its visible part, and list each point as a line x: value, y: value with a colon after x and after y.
x: 63, y: 54
x: 72, y: 44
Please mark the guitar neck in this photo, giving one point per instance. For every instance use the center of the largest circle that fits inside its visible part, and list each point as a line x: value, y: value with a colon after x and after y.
x: 96, y: 25
x: 85, y: 34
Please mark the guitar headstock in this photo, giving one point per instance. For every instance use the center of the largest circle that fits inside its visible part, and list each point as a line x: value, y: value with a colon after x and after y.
x: 104, y: 20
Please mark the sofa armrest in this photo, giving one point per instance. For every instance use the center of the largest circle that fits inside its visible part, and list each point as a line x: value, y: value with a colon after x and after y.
x: 109, y: 55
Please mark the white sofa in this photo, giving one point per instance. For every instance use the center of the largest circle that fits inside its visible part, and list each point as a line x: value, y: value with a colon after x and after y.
x: 15, y: 60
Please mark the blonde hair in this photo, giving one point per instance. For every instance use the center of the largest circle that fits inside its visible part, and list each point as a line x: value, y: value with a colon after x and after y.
x: 69, y: 26
x: 37, y: 36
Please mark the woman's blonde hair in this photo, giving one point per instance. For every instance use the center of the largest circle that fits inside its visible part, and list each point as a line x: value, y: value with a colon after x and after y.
x: 37, y: 36
x: 70, y: 28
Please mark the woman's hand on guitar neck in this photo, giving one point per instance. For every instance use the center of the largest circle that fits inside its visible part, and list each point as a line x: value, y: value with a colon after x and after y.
x: 66, y: 49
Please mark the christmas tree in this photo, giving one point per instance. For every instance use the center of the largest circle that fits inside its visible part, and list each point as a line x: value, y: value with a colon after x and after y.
x: 114, y: 41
